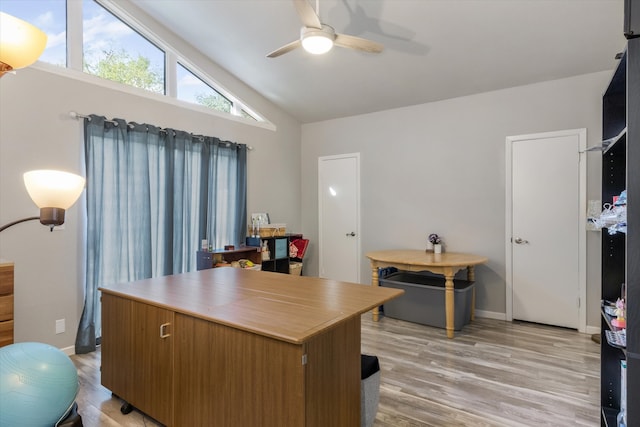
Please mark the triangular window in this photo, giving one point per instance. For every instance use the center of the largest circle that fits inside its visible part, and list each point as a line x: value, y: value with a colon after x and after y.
x: 112, y: 47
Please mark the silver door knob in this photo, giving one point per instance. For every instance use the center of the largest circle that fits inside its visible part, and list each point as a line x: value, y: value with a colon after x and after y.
x: 351, y: 234
x: 520, y: 241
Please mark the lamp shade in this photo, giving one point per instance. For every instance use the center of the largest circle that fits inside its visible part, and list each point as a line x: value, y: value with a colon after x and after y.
x: 21, y: 43
x: 53, y: 189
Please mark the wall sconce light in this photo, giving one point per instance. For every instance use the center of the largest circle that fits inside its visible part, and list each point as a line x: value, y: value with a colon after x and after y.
x: 21, y: 43
x: 53, y: 192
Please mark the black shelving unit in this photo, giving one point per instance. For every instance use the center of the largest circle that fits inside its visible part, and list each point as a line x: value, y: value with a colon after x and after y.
x: 278, y: 254
x: 633, y: 232
x: 631, y: 18
x: 621, y: 252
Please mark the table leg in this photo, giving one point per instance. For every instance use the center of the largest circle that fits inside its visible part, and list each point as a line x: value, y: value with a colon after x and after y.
x: 449, y: 301
x: 472, y: 277
x: 374, y: 282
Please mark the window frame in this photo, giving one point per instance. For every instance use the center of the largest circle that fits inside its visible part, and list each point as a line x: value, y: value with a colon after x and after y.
x: 153, y: 42
x: 74, y: 65
x: 188, y: 69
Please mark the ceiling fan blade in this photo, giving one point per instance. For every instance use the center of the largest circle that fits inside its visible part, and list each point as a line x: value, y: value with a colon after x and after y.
x: 358, y: 43
x: 284, y: 49
x: 307, y: 14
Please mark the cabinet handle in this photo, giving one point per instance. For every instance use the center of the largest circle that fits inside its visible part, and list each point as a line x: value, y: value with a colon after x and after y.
x: 163, y: 328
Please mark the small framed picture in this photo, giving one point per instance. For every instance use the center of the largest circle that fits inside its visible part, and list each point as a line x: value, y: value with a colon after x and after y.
x: 260, y: 218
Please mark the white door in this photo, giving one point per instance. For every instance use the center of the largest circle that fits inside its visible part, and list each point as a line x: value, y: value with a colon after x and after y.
x: 339, y: 217
x: 547, y: 227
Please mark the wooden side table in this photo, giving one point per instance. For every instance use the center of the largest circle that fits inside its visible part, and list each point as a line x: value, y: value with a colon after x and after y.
x: 446, y: 264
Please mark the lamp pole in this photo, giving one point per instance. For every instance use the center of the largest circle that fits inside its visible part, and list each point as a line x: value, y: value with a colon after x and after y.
x: 31, y: 218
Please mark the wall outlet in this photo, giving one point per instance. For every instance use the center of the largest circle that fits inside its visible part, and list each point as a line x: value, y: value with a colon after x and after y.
x: 60, y: 326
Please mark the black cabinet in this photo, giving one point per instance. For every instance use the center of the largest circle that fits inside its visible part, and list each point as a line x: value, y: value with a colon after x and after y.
x: 621, y: 251
x: 278, y: 254
x: 632, y: 18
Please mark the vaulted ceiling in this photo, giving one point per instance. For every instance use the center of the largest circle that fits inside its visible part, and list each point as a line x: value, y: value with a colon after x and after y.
x: 433, y: 49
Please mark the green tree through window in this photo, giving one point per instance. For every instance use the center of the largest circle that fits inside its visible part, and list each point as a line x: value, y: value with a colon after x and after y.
x: 215, y: 102
x: 119, y: 66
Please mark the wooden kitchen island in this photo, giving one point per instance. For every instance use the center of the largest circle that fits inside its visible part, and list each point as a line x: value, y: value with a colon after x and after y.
x: 234, y: 347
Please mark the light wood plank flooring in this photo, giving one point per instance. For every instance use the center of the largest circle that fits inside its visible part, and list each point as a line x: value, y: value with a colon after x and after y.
x: 493, y: 373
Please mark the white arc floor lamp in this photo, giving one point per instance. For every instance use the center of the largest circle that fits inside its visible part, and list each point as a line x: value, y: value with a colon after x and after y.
x: 53, y: 192
x: 21, y: 44
x: 35, y: 386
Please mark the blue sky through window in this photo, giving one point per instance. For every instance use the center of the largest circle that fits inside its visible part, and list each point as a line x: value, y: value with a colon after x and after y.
x: 191, y: 86
x: 103, y: 33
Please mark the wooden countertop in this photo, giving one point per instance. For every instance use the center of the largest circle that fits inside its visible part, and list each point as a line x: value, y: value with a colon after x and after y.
x: 281, y: 306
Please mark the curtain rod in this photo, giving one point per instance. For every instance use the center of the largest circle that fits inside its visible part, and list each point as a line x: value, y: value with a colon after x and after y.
x: 78, y: 116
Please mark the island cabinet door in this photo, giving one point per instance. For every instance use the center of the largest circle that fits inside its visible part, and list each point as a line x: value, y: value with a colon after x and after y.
x: 229, y: 377
x: 332, y: 382
x: 137, y: 355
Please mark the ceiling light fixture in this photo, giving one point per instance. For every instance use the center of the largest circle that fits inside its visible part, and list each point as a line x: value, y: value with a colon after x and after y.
x: 21, y: 43
x: 317, y: 40
x: 53, y: 192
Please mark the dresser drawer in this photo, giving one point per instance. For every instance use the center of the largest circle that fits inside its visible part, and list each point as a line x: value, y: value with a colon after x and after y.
x: 6, y: 333
x: 6, y: 307
x: 6, y: 281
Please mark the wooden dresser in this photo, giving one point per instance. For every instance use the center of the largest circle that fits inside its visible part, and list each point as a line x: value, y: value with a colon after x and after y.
x: 6, y: 303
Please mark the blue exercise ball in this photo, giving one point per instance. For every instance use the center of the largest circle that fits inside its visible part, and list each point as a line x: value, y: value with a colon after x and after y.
x: 38, y: 385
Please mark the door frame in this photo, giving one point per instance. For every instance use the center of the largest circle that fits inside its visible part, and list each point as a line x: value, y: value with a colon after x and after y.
x: 582, y: 219
x: 358, y: 219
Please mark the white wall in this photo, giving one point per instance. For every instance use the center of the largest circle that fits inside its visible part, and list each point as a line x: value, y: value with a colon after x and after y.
x: 436, y: 167
x: 36, y: 132
x: 440, y: 167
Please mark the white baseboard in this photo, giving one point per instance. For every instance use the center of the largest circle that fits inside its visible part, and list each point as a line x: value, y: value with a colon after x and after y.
x: 491, y: 315
x: 69, y: 351
x: 592, y: 330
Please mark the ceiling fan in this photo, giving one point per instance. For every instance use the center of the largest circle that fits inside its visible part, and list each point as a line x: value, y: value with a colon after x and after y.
x: 319, y: 38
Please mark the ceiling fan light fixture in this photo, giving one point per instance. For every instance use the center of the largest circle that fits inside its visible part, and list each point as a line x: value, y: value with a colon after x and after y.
x: 317, y: 41
x: 318, y: 38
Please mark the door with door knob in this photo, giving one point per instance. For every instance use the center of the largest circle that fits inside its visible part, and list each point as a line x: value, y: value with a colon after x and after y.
x: 545, y: 231
x: 339, y: 206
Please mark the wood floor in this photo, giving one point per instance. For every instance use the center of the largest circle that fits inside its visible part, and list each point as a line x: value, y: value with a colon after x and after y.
x: 493, y: 373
